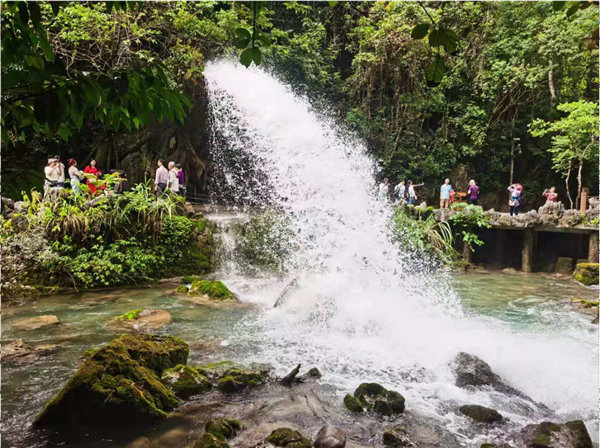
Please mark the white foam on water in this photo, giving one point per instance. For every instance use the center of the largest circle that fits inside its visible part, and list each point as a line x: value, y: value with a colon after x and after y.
x: 363, y: 309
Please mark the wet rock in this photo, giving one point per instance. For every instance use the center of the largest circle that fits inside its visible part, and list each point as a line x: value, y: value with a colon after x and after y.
x: 330, y: 437
x: 570, y: 218
x: 509, y: 270
x: 211, y: 290
x: 210, y: 441
x: 290, y: 377
x: 223, y: 428
x: 493, y: 445
x: 311, y: 374
x: 185, y: 381
x: 376, y: 398
x: 100, y: 298
x: 147, y: 320
x: 289, y: 438
x: 231, y: 378
x: 22, y: 352
x: 586, y: 273
x: 472, y: 371
x: 119, y: 384
x: 564, y: 265
x: 34, y: 323
x: 481, y: 413
x: 572, y: 434
x: 397, y: 437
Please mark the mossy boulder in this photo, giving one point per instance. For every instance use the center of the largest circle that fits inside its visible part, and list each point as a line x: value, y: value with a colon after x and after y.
x: 189, y: 279
x: 147, y: 320
x: 572, y: 434
x: 586, y: 273
x: 493, y: 445
x: 210, y: 441
x: 119, y: 383
x: 289, y: 438
x: 374, y: 397
x: 213, y: 290
x: 223, y: 428
x: 397, y: 437
x: 232, y: 378
x: 185, y: 381
x: 181, y: 289
x: 481, y: 413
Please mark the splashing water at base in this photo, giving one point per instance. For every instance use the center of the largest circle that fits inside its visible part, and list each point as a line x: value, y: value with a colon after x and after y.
x: 362, y: 308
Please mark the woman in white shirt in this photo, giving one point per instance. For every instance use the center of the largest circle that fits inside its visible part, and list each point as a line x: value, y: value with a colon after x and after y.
x: 75, y: 175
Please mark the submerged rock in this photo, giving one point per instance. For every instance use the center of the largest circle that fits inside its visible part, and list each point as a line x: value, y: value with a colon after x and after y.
x: 481, y: 413
x: 185, y: 381
x: 572, y: 434
x: 564, y: 265
x: 330, y: 437
x: 397, y: 437
x: 211, y: 290
x: 149, y: 320
x: 289, y: 438
x: 119, y: 383
x: 33, y: 323
x: 374, y: 397
x: 223, y: 428
x: 22, y: 352
x: 586, y: 273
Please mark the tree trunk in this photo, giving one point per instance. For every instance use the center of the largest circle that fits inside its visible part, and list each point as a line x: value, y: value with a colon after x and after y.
x: 567, y: 182
x: 579, y: 182
x: 551, y: 85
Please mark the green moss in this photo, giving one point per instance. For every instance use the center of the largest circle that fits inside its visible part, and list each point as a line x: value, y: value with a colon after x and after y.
x: 130, y: 315
x: 237, y: 380
x: 120, y: 382
x: 586, y: 273
x: 210, y: 441
x: 182, y: 289
x: 200, y: 225
x: 223, y: 428
x: 352, y: 403
x: 185, y: 381
x: 214, y: 290
x: 382, y: 407
x: 215, y: 370
x: 189, y: 279
x: 289, y: 438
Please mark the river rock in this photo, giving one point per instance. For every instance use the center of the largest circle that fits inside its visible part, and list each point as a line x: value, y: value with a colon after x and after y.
x: 33, y: 323
x: 22, y: 352
x: 119, y: 384
x: 493, y: 445
x: 311, y: 374
x: 397, y: 437
x: 185, y: 381
x: 481, y: 413
x: 374, y: 397
x: 330, y: 437
x: 211, y: 290
x: 586, y: 273
x: 230, y: 378
x: 288, y: 437
x: 572, y: 434
x: 564, y: 265
x: 472, y: 371
x: 149, y: 320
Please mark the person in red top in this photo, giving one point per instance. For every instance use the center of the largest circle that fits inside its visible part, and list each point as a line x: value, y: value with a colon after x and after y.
x: 94, y: 171
x: 551, y: 195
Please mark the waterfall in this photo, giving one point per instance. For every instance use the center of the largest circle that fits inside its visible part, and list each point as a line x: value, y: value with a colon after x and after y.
x: 363, y: 308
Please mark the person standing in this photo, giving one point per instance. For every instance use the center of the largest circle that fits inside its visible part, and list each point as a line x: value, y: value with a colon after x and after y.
x: 52, y: 175
x: 173, y: 184
x: 400, y: 191
x: 75, y: 175
x: 514, y: 199
x: 92, y: 181
x: 412, y: 194
x: 551, y: 195
x: 472, y: 193
x: 384, y: 190
x: 181, y: 177
x: 161, y: 178
x: 445, y: 194
x: 61, y: 176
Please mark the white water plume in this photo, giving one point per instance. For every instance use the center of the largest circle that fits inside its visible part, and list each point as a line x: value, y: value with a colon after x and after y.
x: 363, y: 309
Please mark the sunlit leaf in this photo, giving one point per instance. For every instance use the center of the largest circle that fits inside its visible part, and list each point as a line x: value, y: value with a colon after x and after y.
x: 420, y: 31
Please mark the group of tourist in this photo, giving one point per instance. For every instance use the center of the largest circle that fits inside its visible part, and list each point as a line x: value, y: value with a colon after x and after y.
x: 405, y: 192
x: 55, y: 176
x: 171, y: 179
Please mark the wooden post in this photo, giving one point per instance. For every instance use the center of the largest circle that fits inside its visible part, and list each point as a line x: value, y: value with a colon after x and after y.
x: 593, y: 248
x: 583, y: 202
x: 527, y: 252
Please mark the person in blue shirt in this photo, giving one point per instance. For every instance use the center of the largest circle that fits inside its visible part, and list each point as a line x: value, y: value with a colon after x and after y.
x: 445, y: 194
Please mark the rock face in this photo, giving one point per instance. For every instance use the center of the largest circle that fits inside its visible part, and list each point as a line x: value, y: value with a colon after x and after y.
x: 330, y: 437
x: 472, y: 371
x: 289, y: 438
x: 149, y: 320
x: 572, y: 434
x: 586, y: 273
x: 185, y: 381
x: 22, y: 352
x: 34, y: 323
x: 376, y: 398
x: 481, y: 413
x: 119, y: 384
x: 218, y: 431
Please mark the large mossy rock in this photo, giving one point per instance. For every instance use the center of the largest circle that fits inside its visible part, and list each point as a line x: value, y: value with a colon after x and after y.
x: 586, y: 273
x: 572, y: 434
x: 374, y: 397
x: 288, y: 438
x: 185, y: 381
x: 212, y: 290
x: 143, y: 320
x: 229, y: 377
x: 218, y: 431
x: 119, y: 384
x: 481, y: 413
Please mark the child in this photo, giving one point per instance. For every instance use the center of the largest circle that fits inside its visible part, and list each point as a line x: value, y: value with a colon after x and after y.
x: 514, y: 199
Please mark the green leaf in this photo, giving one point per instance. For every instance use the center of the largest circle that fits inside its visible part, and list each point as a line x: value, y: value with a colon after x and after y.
x: 242, y: 43
x: 420, y: 31
x: 435, y: 72
x: 246, y: 57
x: 333, y: 4
x: 45, y: 46
x: 573, y: 8
x: 64, y: 132
x: 35, y: 13
x: 243, y: 33
x: 435, y: 38
x: 558, y: 6
x: 264, y: 39
x: 445, y: 38
x: 256, y: 55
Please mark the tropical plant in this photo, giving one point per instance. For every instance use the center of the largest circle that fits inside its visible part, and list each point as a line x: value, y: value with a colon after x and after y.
x: 468, y: 219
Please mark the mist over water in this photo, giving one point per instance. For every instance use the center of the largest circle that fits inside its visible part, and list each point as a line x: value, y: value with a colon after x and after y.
x: 365, y: 309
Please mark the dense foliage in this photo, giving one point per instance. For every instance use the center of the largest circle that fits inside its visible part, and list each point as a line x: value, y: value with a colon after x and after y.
x: 110, y: 240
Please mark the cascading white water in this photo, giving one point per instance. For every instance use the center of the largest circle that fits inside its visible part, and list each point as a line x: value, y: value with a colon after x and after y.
x: 364, y: 309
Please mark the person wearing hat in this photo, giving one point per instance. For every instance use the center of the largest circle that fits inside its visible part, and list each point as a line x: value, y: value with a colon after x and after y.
x: 52, y: 174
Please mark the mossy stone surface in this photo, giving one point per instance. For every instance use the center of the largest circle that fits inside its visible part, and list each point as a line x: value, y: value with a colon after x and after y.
x: 352, y: 403
x: 210, y: 441
x: 130, y: 315
x: 119, y: 383
x: 181, y: 289
x: 288, y: 438
x: 481, y: 413
x: 214, y: 290
x: 223, y: 428
x: 230, y: 378
x: 185, y: 381
x: 374, y: 397
x: 586, y: 273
